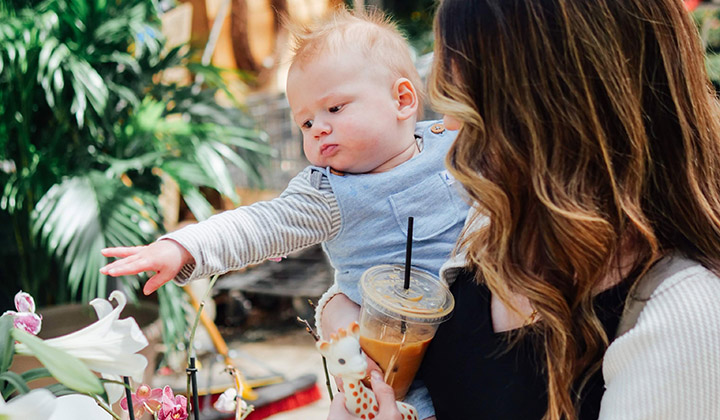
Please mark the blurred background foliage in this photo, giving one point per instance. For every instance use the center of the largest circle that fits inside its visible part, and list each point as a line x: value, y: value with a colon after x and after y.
x: 707, y: 18
x: 415, y: 18
x: 89, y: 127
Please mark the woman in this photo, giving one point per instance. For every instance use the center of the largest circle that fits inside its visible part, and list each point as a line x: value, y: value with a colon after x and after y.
x: 590, y: 138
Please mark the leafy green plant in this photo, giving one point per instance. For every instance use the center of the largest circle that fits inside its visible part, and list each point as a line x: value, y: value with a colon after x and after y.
x: 707, y: 18
x: 414, y: 17
x: 87, y: 130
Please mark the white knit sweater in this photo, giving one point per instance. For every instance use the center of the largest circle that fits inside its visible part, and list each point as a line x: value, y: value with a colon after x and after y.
x: 668, y: 365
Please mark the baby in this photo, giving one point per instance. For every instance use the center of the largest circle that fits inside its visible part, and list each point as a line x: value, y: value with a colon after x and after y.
x: 354, y: 92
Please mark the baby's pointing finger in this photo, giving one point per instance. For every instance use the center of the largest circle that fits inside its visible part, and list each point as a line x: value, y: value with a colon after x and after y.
x: 129, y: 265
x: 121, y: 251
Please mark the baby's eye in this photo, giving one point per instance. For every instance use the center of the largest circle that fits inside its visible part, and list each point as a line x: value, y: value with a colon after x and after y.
x: 341, y: 361
x: 307, y: 124
x: 334, y: 109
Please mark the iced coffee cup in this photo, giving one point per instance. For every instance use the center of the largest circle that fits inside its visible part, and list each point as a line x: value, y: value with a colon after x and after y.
x: 397, y: 324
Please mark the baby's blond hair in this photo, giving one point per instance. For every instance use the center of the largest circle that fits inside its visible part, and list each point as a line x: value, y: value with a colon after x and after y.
x: 370, y: 33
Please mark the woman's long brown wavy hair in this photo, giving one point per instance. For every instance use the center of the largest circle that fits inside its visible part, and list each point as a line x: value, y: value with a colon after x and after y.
x: 590, y: 131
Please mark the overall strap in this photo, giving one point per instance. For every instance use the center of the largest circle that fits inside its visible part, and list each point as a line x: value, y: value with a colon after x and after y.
x: 646, y: 285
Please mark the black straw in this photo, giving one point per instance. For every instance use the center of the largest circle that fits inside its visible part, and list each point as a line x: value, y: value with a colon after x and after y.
x: 408, y: 253
x: 128, y: 395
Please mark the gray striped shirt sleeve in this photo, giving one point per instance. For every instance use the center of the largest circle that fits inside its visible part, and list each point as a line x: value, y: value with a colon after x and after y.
x: 305, y: 214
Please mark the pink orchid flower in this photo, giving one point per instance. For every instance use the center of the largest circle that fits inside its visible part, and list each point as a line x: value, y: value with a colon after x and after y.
x: 144, y: 399
x: 25, y: 318
x: 174, y: 407
x: 24, y: 302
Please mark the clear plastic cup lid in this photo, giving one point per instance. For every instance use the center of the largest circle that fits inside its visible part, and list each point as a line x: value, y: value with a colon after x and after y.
x: 427, y: 300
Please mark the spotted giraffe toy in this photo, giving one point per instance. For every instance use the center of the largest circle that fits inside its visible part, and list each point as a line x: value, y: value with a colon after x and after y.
x: 345, y: 359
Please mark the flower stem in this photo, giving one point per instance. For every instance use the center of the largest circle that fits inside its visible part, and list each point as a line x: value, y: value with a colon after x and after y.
x: 314, y: 335
x: 191, y: 344
x: 102, y: 405
x: 247, y: 412
x: 327, y: 378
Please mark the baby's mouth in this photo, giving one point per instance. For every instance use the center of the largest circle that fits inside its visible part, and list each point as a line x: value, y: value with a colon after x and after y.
x: 327, y: 149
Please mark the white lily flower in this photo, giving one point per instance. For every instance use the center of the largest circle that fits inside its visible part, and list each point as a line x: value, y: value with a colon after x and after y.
x: 226, y: 401
x: 41, y: 404
x: 107, y: 346
x: 76, y: 406
x: 38, y: 404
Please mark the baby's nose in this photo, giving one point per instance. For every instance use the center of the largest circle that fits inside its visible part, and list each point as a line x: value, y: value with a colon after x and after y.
x: 321, y: 128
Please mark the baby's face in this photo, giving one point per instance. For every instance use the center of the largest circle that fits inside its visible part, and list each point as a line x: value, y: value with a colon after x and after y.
x: 346, y: 111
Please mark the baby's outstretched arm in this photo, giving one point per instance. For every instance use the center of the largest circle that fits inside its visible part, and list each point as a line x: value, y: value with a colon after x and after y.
x: 166, y: 258
x: 306, y: 213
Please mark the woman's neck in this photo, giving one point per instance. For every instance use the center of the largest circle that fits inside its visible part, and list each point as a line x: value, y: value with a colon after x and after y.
x: 520, y: 312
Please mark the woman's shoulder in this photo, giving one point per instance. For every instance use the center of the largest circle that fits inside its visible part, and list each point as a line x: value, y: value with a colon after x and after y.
x: 682, y: 308
x: 687, y: 274
x: 662, y: 367
x: 685, y: 298
x: 689, y: 292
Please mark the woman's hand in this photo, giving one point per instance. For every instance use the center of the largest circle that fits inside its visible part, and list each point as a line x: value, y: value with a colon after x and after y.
x: 384, y: 395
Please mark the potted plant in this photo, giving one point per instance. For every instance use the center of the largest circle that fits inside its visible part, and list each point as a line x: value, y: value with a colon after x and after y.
x: 109, y: 347
x: 88, y: 129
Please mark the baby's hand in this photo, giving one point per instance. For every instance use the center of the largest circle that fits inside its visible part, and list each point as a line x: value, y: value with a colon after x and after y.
x: 166, y: 258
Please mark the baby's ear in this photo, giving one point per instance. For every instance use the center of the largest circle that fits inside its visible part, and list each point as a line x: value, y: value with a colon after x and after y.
x: 406, y: 97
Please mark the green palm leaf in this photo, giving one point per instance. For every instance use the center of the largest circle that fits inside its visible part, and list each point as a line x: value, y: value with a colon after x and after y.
x: 83, y: 214
x: 188, y: 177
x: 216, y: 169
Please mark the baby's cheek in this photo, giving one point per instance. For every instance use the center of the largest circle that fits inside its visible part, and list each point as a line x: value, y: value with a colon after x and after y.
x: 310, y: 155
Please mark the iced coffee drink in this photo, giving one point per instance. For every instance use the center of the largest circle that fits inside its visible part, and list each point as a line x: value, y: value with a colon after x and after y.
x: 397, y: 324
